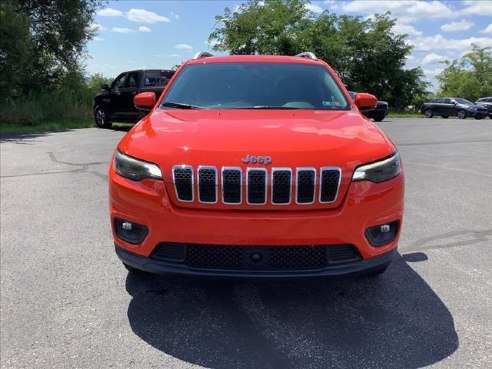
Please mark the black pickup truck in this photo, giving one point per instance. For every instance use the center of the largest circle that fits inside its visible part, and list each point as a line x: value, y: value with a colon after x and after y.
x: 115, y: 102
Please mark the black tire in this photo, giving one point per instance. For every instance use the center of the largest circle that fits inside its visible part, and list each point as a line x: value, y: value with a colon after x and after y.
x: 445, y: 116
x: 461, y: 114
x: 378, y: 119
x: 428, y: 113
x: 101, y: 116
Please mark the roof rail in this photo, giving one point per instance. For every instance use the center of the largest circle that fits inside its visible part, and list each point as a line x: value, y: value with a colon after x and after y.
x: 307, y: 54
x: 202, y: 54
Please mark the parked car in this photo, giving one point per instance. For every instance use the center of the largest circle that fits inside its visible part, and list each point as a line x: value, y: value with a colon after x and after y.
x: 486, y: 102
x: 115, y: 102
x: 256, y: 166
x: 453, y: 106
x: 378, y: 113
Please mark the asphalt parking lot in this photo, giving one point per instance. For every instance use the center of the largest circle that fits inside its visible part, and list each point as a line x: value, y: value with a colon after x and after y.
x: 67, y: 302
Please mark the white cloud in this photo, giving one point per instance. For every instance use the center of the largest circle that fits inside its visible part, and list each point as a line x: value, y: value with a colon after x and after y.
x: 183, y: 47
x: 438, y: 42
x: 431, y: 73
x: 95, y: 27
x: 110, y: 12
x: 144, y: 29
x: 145, y: 16
x: 457, y: 26
x: 97, y: 38
x: 482, y: 8
x: 211, y: 44
x: 175, y: 15
x: 314, y: 8
x: 402, y: 28
x: 332, y: 4
x: 405, y: 10
x: 432, y: 58
x: 167, y: 56
x: 121, y: 30
x: 488, y: 29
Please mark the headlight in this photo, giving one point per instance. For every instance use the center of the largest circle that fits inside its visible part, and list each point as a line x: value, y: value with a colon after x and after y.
x: 135, y: 169
x: 379, y: 171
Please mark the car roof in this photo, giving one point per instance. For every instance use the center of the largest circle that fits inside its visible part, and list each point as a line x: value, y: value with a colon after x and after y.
x: 255, y: 59
x: 148, y: 70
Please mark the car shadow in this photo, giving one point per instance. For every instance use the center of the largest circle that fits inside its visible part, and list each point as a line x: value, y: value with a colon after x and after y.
x: 25, y: 138
x: 391, y: 321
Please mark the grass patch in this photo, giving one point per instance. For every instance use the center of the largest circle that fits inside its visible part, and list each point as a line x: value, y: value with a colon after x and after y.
x: 12, y: 128
x: 397, y: 114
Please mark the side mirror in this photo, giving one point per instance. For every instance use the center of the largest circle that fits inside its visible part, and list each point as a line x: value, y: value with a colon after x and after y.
x: 105, y: 86
x: 365, y: 101
x: 144, y: 101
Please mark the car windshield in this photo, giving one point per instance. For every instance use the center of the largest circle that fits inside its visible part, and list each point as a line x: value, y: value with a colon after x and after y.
x: 255, y: 86
x: 463, y: 101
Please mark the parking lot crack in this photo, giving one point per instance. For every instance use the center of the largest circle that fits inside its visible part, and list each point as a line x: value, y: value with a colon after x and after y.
x: 55, y: 160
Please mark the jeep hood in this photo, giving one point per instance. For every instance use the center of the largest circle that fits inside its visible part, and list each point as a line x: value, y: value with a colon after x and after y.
x: 223, y: 137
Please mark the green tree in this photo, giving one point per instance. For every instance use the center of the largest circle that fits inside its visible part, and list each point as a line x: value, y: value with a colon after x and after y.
x: 96, y: 81
x: 42, y: 42
x: 469, y: 77
x: 366, y: 54
x: 269, y: 27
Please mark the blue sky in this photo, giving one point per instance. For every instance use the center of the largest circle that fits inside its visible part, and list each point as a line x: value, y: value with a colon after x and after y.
x: 155, y: 34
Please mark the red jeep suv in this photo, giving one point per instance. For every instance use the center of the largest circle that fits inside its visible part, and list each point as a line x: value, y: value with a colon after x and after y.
x: 256, y: 166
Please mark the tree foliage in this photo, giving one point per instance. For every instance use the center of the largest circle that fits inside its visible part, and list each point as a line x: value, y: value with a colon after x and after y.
x: 469, y: 77
x: 41, y: 42
x: 366, y: 54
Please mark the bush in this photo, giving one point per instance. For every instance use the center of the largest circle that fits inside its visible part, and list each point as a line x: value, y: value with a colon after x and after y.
x: 71, y: 101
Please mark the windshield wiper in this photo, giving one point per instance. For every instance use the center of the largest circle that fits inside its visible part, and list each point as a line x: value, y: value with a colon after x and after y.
x: 268, y: 107
x: 176, y: 105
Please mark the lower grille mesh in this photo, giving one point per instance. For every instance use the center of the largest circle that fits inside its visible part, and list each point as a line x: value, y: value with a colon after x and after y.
x: 261, y: 258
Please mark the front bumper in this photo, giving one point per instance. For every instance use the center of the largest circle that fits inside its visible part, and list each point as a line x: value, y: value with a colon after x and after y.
x: 364, y: 205
x: 161, y: 267
x: 478, y: 114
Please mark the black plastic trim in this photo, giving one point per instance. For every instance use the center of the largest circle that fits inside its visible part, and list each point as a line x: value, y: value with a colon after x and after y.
x: 162, y: 267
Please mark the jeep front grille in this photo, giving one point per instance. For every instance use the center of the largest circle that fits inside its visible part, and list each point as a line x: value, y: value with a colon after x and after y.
x: 257, y: 186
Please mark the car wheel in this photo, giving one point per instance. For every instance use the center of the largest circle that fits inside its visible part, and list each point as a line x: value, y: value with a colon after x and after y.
x: 378, y: 119
x: 101, y: 117
x: 428, y: 113
x: 461, y: 114
x: 445, y: 116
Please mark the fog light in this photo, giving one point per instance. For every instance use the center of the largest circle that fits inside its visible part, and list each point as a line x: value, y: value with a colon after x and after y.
x: 127, y: 226
x: 382, y: 234
x: 130, y: 232
x: 384, y: 228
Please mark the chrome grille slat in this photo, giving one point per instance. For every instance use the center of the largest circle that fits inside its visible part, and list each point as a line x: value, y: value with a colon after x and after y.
x: 183, y: 182
x: 305, y: 185
x: 207, y: 184
x: 330, y: 178
x: 275, y: 186
x: 256, y: 186
x: 232, y: 184
x: 281, y: 186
